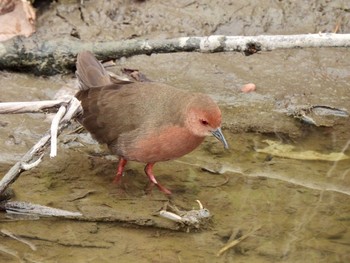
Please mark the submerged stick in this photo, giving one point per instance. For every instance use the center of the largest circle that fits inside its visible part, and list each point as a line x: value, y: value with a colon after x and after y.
x: 22, y: 240
x: 107, y: 215
x: 10, y: 251
x: 236, y: 241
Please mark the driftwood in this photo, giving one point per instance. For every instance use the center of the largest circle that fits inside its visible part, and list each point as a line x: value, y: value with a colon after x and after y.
x: 32, y: 211
x: 31, y: 106
x: 59, y: 56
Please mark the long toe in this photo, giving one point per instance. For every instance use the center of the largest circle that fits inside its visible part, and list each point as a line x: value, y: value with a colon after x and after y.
x: 152, y: 179
x: 163, y: 189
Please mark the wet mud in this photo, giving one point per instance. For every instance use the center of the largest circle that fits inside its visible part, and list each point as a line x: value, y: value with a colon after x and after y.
x: 302, y: 206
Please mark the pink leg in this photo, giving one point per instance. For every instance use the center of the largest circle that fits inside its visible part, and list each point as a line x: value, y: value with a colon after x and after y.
x: 149, y: 172
x: 120, y: 170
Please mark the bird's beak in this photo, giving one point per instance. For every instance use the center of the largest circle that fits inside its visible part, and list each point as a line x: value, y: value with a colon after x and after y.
x: 218, y: 135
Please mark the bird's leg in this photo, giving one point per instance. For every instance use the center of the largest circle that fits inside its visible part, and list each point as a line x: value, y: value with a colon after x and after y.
x: 149, y: 172
x: 120, y: 170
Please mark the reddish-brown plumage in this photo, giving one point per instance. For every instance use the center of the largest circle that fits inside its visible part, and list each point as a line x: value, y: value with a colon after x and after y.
x: 143, y: 121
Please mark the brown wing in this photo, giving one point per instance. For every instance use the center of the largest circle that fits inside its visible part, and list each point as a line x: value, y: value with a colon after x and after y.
x: 105, y: 113
x: 90, y: 71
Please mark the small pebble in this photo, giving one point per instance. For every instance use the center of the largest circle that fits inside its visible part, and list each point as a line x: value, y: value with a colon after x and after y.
x: 250, y: 87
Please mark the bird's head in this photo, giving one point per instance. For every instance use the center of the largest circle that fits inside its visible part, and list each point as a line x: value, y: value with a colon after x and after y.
x: 203, y: 117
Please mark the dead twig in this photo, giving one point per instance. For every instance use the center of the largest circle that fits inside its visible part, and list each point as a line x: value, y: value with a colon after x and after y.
x: 31, y: 106
x: 54, y: 128
x: 29, y: 208
x: 28, y: 166
x: 22, y: 240
x: 236, y: 241
x: 10, y: 251
x: 59, y: 56
x: 89, y: 214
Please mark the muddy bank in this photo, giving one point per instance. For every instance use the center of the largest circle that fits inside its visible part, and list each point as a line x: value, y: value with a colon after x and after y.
x: 155, y: 19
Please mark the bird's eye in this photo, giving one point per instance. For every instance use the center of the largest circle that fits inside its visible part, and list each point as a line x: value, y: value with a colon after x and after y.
x: 204, y: 122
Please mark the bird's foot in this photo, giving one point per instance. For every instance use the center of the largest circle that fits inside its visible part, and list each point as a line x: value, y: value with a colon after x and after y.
x: 160, y: 187
x: 120, y: 170
x: 163, y: 189
x: 152, y: 179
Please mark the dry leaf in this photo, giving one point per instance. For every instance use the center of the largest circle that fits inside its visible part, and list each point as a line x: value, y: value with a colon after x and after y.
x: 17, y: 17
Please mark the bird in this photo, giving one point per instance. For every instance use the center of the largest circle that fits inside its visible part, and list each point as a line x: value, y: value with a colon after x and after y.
x: 146, y: 122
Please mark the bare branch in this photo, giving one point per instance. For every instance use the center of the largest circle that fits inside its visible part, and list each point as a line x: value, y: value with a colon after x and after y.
x: 54, y: 128
x: 29, y: 106
x: 59, y: 56
x: 28, y: 166
x: 104, y: 215
x: 29, y: 208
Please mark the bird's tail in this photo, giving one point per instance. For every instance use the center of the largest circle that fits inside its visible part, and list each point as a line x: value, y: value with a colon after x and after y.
x: 90, y: 72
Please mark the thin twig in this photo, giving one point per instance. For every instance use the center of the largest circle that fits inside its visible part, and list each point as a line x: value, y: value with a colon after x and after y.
x: 28, y: 166
x: 24, y: 241
x: 54, y: 128
x: 30, y: 106
x: 236, y: 241
x: 74, y: 109
x: 10, y: 251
